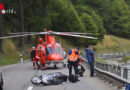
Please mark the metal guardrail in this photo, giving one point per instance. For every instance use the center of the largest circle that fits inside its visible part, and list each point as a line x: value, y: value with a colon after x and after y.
x: 115, y: 75
x: 117, y: 70
x: 112, y: 55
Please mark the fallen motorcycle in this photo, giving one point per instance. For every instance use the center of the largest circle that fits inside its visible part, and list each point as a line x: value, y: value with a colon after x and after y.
x: 49, y: 79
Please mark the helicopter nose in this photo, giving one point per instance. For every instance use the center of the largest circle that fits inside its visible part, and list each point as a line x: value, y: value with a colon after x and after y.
x: 55, y: 57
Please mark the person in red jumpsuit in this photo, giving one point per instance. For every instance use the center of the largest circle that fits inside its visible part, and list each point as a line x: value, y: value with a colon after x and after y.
x: 40, y: 53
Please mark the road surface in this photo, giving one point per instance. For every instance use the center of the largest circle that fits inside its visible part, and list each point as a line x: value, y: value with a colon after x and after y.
x: 18, y: 77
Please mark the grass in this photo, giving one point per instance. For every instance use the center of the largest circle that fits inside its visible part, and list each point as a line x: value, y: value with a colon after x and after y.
x: 100, y: 60
x: 10, y: 53
x: 112, y: 43
x: 126, y: 59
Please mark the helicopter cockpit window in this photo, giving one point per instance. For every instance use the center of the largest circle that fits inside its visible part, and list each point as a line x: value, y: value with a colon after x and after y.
x: 58, y: 50
x: 49, y: 50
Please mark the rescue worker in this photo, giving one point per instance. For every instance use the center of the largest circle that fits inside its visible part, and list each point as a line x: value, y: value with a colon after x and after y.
x: 40, y: 53
x: 33, y: 48
x: 91, y: 59
x: 73, y: 59
x: 34, y: 59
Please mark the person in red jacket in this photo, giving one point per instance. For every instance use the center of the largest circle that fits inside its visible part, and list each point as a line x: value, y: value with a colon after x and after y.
x: 40, y: 53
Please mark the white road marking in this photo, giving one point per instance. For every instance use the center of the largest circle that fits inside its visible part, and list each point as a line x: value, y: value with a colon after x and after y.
x: 30, y: 88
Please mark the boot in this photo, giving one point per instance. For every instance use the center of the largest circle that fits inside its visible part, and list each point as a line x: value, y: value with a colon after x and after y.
x: 34, y: 65
x: 43, y: 66
x: 37, y: 65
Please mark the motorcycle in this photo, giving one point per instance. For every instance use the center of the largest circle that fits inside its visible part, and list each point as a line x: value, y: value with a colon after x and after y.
x: 49, y: 79
x: 81, y: 68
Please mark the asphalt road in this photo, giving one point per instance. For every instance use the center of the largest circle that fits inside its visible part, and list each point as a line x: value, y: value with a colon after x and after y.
x: 18, y: 77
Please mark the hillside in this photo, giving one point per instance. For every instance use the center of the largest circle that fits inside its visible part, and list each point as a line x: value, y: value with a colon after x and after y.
x: 98, y: 17
x: 112, y: 43
x: 11, y: 53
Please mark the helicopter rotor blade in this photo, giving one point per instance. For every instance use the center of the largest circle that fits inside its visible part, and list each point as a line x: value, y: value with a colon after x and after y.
x: 21, y: 35
x: 53, y: 31
x: 74, y: 35
x: 17, y: 33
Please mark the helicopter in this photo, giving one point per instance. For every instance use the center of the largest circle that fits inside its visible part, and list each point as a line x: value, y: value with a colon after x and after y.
x: 55, y: 53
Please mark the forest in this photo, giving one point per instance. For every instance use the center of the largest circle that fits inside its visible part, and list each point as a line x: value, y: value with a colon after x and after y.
x: 98, y: 17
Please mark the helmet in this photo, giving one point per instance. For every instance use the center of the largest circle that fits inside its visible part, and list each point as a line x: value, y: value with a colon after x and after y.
x: 33, y: 47
x: 40, y: 40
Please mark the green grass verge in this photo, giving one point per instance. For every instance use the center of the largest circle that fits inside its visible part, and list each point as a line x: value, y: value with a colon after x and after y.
x: 126, y: 59
x: 112, y: 43
x: 100, y: 60
x: 10, y: 53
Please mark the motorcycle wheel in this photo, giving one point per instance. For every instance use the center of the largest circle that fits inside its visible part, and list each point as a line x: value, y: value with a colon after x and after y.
x: 36, y: 80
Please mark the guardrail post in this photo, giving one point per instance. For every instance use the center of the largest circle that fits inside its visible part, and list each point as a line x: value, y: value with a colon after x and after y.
x: 114, y: 69
x: 119, y: 71
x: 128, y: 74
x: 125, y: 73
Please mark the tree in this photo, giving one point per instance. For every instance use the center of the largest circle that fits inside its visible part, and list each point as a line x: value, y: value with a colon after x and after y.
x: 120, y: 18
x: 62, y: 16
x: 91, y: 20
x: 45, y: 3
x: 21, y: 42
x: 115, y: 15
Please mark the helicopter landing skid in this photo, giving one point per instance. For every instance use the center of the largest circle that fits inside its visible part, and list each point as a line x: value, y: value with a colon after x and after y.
x: 55, y: 63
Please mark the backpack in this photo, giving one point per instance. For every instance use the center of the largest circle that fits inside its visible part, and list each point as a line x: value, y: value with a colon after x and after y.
x: 73, y: 78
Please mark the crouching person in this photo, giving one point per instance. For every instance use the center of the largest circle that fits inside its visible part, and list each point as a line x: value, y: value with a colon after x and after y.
x: 73, y: 59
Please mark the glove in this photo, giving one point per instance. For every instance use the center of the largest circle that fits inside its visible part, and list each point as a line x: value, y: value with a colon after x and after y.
x: 37, y: 57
